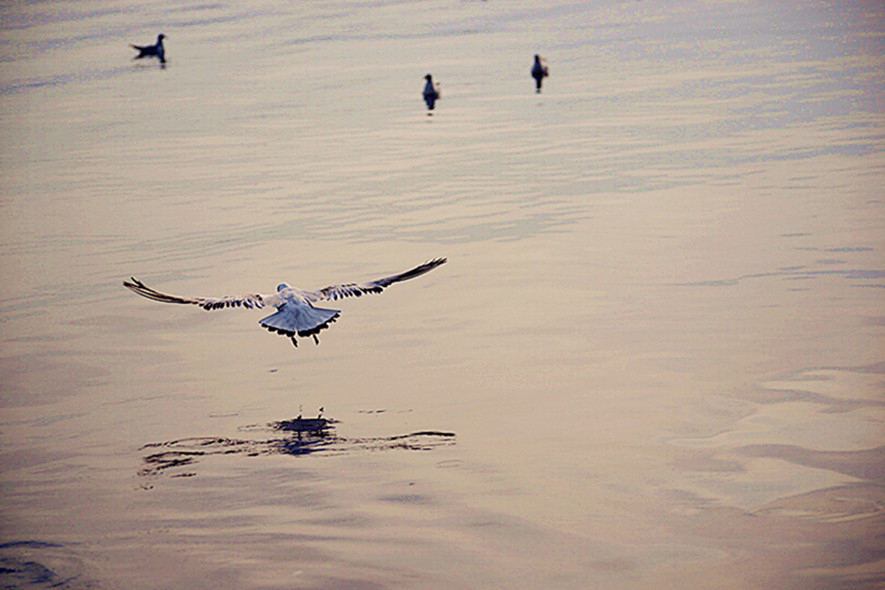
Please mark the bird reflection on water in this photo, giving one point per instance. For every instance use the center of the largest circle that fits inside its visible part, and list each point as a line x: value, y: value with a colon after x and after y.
x: 300, y: 436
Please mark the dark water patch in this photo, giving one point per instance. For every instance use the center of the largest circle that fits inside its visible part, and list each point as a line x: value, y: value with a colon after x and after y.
x: 704, y: 460
x: 39, y: 564
x: 845, y: 503
x: 301, y: 436
x: 410, y: 499
x: 793, y: 274
x: 850, y: 249
x: 868, y: 464
x: 875, y: 368
x: 28, y: 545
x: 791, y: 388
x: 28, y: 18
x: 59, y: 81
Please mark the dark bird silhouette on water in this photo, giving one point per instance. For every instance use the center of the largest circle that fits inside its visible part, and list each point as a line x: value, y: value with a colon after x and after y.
x: 295, y: 315
x: 431, y: 92
x: 155, y: 50
x: 539, y: 71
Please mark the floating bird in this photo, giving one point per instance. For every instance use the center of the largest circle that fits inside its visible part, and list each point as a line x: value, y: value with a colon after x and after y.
x: 539, y: 71
x: 155, y: 50
x: 295, y: 315
x: 431, y: 92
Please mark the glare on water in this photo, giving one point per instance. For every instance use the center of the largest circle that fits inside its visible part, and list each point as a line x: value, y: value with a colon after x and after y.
x: 654, y: 357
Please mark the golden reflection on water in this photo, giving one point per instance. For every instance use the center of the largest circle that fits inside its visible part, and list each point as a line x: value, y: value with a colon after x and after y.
x: 657, y: 341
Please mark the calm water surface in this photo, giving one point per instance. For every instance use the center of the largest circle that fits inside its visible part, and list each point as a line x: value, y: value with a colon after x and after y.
x: 654, y: 359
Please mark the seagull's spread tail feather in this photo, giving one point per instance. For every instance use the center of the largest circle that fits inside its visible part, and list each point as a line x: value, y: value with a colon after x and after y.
x: 292, y: 320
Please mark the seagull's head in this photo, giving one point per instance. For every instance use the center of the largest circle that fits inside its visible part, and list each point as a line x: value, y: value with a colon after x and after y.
x: 160, y: 37
x: 428, y: 77
x: 282, y: 287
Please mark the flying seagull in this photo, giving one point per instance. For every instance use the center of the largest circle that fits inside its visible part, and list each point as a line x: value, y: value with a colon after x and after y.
x: 295, y: 315
x: 155, y: 50
x: 539, y: 71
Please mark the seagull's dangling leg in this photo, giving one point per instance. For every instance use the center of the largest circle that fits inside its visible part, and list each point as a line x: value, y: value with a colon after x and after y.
x: 316, y: 340
x: 294, y: 342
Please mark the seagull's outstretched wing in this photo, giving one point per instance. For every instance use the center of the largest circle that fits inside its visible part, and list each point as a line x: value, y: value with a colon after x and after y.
x: 357, y: 289
x: 295, y: 315
x: 248, y: 301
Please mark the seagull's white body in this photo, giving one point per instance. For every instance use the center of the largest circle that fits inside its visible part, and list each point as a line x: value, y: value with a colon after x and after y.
x: 156, y: 50
x: 296, y: 314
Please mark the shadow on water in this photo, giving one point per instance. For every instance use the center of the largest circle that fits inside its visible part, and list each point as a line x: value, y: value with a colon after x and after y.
x: 297, y: 436
x: 37, y: 564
